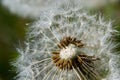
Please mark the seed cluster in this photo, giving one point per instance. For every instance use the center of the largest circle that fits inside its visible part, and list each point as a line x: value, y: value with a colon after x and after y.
x: 78, y: 61
x: 83, y: 63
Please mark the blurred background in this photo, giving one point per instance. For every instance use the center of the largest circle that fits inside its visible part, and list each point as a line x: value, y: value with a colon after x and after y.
x: 12, y: 30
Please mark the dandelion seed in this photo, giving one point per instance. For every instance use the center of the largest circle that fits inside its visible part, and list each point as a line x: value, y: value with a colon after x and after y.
x: 67, y: 45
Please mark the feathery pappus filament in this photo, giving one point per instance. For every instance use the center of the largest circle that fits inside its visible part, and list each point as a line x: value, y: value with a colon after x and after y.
x: 67, y: 45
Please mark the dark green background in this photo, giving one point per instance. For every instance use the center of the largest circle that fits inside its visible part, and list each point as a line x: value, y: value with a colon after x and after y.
x: 12, y: 30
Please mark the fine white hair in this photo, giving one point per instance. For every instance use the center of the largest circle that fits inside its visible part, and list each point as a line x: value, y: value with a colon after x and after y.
x: 34, y: 62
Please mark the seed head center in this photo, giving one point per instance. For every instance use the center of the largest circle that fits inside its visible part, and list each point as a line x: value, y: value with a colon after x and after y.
x: 70, y: 55
x: 68, y: 52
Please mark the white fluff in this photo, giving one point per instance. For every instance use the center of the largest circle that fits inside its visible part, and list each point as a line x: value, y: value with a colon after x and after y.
x: 43, y: 36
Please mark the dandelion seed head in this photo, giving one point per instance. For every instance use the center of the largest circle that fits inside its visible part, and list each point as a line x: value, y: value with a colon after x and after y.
x: 67, y: 44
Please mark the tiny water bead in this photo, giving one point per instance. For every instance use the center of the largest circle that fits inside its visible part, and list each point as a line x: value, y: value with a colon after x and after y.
x: 69, y: 58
